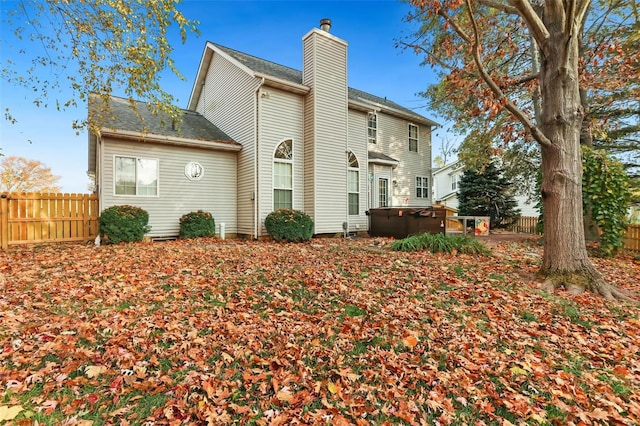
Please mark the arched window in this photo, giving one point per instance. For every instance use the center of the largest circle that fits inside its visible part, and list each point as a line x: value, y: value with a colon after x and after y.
x: 283, y: 175
x: 353, y: 184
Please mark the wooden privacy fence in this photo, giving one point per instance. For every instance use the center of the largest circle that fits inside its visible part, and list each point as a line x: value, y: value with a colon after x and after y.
x: 632, y: 240
x: 527, y: 225
x: 32, y: 217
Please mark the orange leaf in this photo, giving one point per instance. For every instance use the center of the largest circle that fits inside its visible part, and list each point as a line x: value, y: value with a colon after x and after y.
x: 410, y: 341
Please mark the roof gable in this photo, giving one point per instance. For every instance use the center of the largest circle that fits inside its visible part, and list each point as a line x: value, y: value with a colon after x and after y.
x: 451, y: 168
x: 261, y: 66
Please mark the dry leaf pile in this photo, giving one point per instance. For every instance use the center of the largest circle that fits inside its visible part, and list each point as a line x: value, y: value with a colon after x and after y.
x: 329, y: 332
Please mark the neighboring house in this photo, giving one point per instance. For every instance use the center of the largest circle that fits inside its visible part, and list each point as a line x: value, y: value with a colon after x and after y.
x: 446, y: 184
x: 446, y: 181
x: 262, y: 136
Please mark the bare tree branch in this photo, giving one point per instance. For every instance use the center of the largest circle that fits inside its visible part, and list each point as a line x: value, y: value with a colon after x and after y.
x: 570, y: 11
x: 582, y: 8
x: 455, y: 26
x: 535, y: 24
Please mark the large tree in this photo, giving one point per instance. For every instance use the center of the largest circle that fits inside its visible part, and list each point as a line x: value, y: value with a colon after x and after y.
x: 91, y: 46
x: 464, y: 45
x: 609, y: 88
x: 17, y: 174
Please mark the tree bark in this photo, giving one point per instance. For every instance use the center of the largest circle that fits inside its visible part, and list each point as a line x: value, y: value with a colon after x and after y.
x: 561, y: 122
x: 565, y: 259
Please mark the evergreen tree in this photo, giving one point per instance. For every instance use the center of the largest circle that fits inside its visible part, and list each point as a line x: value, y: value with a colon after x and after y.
x: 488, y: 193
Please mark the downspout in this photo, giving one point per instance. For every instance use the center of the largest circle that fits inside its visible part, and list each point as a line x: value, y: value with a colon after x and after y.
x: 370, y: 178
x: 345, y: 231
x: 255, y: 197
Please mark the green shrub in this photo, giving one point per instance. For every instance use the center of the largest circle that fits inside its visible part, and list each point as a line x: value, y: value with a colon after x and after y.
x: 289, y: 225
x: 123, y: 224
x: 197, y: 224
x: 436, y: 243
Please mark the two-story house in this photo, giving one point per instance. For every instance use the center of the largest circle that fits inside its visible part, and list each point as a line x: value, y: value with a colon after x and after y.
x: 257, y: 136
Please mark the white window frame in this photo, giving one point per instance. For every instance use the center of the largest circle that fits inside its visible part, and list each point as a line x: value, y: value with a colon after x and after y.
x: 422, y: 187
x: 415, y: 139
x: 137, y: 194
x: 455, y: 182
x: 372, y: 130
x: 280, y: 160
x: 353, y: 169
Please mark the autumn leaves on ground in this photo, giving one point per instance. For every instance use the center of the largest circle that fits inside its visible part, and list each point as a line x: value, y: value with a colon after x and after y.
x: 328, y: 332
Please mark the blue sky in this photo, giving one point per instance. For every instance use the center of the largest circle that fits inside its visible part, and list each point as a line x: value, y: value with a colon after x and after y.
x: 271, y: 30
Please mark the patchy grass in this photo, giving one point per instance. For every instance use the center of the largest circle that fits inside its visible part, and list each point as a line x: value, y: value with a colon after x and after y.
x: 326, y: 332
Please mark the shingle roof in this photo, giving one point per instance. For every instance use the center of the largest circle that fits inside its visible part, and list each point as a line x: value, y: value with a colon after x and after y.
x: 295, y: 76
x: 192, y: 125
x: 263, y: 66
x: 380, y: 156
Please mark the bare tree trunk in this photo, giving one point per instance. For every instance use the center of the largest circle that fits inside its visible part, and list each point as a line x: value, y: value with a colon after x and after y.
x: 565, y: 260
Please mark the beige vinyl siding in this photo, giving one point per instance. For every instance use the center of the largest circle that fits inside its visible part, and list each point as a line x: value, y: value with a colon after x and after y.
x: 328, y: 80
x: 394, y: 137
x: 177, y: 195
x: 309, y: 131
x: 228, y: 100
x: 281, y: 118
x: 358, y: 144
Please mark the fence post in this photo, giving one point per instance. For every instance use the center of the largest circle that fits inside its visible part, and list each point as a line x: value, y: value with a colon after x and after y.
x: 85, y: 216
x: 4, y: 221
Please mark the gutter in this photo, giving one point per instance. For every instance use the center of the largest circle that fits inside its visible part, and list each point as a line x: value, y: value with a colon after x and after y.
x: 393, y: 164
x: 171, y: 140
x: 268, y: 80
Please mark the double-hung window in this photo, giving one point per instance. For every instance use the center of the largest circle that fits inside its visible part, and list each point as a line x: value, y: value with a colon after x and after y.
x: 372, y: 128
x: 413, y: 138
x: 283, y: 176
x: 353, y: 184
x: 422, y: 187
x: 455, y: 182
x: 136, y: 176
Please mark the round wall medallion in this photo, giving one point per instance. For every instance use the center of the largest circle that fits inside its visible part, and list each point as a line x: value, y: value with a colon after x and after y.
x: 194, y: 171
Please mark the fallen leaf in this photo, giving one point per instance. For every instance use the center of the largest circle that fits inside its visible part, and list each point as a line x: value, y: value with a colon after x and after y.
x: 94, y: 370
x: 410, y: 341
x: 285, y: 394
x: 9, y: 413
x: 518, y: 371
